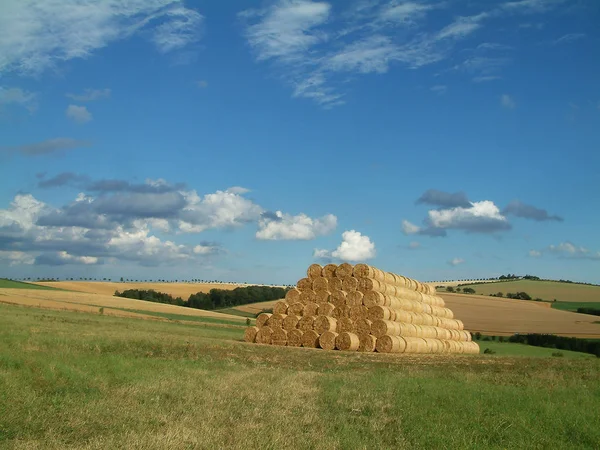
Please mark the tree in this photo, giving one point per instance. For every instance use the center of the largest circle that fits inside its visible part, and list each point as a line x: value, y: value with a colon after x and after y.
x: 449, y: 289
x: 121, y: 279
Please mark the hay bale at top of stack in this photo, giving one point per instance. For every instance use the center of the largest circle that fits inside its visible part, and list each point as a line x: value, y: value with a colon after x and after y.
x: 314, y: 271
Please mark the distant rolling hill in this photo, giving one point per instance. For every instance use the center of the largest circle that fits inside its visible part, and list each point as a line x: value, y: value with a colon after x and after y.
x: 546, y: 290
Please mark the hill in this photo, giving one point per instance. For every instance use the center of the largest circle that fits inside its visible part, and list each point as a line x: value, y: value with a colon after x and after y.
x: 546, y: 290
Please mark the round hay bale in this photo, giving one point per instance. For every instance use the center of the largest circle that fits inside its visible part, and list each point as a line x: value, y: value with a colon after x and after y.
x: 366, y: 342
x: 310, y: 339
x: 382, y: 327
x: 341, y: 311
x: 276, y: 320
x: 363, y: 271
x: 279, y: 337
x: 320, y: 284
x: 325, y: 309
x: 338, y: 298
x: 304, y: 283
x: 379, y: 313
x: 358, y: 312
x: 327, y: 340
x: 363, y: 326
x: 378, y: 275
x: 344, y: 270
x: 374, y: 298
x: 345, y: 324
x: 280, y: 307
x: 388, y: 278
x: 308, y: 296
x: 347, y: 341
x: 306, y: 323
x: 262, y: 319
x: 264, y: 335
x: 415, y: 345
x: 329, y: 271
x: 349, y: 284
x: 335, y: 284
x: 408, y: 329
x: 290, y: 322
x: 295, y: 338
x: 250, y: 334
x: 323, y: 296
x: 390, y: 344
x: 471, y: 347
x: 354, y: 298
x: 310, y: 309
x: 296, y: 308
x: 292, y: 296
x: 314, y: 271
x: 325, y: 323
x: 402, y: 316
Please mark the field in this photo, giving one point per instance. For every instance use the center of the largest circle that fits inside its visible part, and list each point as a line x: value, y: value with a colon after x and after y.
x: 81, y: 381
x: 10, y: 284
x: 573, y: 306
x: 546, y: 290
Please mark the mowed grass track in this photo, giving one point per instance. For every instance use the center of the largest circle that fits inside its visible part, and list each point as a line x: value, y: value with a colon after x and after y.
x: 78, y: 381
x: 546, y: 290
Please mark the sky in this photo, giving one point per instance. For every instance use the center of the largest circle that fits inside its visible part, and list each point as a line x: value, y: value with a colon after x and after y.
x: 245, y: 140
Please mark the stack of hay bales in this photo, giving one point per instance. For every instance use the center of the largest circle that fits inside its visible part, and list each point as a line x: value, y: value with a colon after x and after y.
x: 361, y: 308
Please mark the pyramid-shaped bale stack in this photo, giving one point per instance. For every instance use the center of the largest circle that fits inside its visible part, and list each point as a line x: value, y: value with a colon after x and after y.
x: 362, y: 308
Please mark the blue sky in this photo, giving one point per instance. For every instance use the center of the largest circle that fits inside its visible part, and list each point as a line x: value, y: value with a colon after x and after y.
x: 243, y: 141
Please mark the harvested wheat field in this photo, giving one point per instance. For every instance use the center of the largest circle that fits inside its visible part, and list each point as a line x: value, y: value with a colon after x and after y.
x: 91, y: 302
x: 362, y: 308
x: 183, y: 290
x: 503, y: 316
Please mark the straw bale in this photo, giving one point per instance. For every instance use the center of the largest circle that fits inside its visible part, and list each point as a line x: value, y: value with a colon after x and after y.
x: 347, y: 341
x: 280, y: 307
x: 335, y: 284
x: 344, y: 270
x: 471, y: 347
x: 295, y: 338
x: 320, y: 284
x: 290, y: 322
x: 378, y: 275
x: 379, y: 313
x: 390, y: 344
x: 374, y: 298
x: 323, y: 296
x: 304, y: 283
x: 325, y: 323
x: 296, y: 309
x: 325, y: 309
x: 276, y: 320
x: 341, y: 311
x: 329, y: 270
x: 279, y: 336
x: 354, y: 298
x: 345, y: 324
x: 327, y: 340
x: 310, y: 339
x: 264, y: 335
x: 402, y: 316
x: 306, y: 323
x: 388, y: 278
x: 415, y: 345
x: 349, y: 284
x: 250, y: 334
x: 363, y: 271
x: 338, y: 298
x: 363, y: 326
x: 382, y: 327
x: 358, y: 312
x: 310, y: 309
x: 314, y: 271
x: 292, y: 296
x: 262, y: 319
x: 307, y: 296
x: 366, y: 342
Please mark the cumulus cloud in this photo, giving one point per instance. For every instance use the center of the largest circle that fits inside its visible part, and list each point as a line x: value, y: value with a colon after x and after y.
x: 456, y: 261
x: 16, y: 258
x: 354, y: 247
x: 62, y: 258
x: 46, y: 147
x: 38, y: 34
x: 79, y: 114
x: 280, y: 226
x: 519, y: 209
x: 444, y: 199
x: 507, y: 101
x: 18, y: 97
x: 90, y: 95
x: 567, y: 250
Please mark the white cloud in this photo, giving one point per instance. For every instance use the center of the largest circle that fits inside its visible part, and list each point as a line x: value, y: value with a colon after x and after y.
x: 507, y: 101
x: 535, y: 253
x: 320, y: 253
x: 90, y: 95
x: 46, y: 147
x: 568, y: 250
x: 405, y: 13
x: 456, y: 261
x: 409, y: 228
x: 79, y: 114
x: 462, y: 27
x: 16, y: 258
x: 568, y: 38
x: 280, y: 226
x: 483, y: 79
x: 205, y: 249
x: 372, y: 54
x: 481, y: 216
x: 18, y: 96
x: 354, y: 247
x: 35, y: 35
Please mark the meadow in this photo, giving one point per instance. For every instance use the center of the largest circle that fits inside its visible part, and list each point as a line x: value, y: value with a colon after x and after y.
x: 546, y: 290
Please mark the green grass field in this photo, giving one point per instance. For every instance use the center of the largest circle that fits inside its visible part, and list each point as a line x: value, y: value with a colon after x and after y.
x: 80, y: 381
x: 572, y: 306
x: 546, y: 290
x: 10, y: 284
